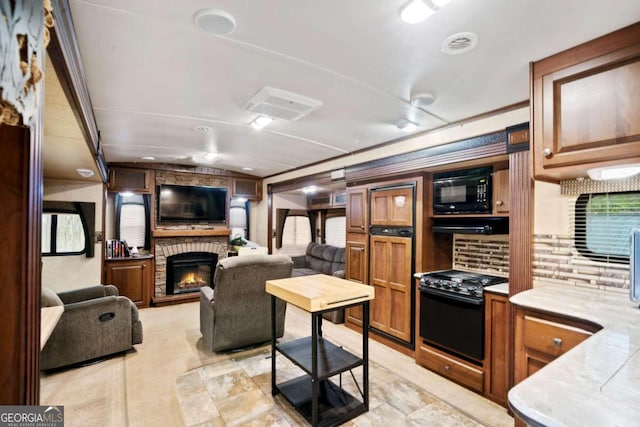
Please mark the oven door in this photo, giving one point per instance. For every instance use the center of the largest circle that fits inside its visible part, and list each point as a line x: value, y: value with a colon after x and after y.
x: 452, y: 323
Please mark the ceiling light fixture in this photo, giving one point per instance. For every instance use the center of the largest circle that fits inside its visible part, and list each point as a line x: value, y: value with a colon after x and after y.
x: 407, y: 125
x: 247, y: 169
x: 85, y: 173
x: 422, y: 100
x: 309, y: 189
x: 209, y: 156
x: 148, y: 158
x: 613, y: 172
x: 415, y: 11
x: 260, y: 122
x: 217, y: 22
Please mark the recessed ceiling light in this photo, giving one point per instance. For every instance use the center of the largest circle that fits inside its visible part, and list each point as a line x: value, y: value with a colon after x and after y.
x: 247, y: 169
x: 148, y: 158
x: 202, y: 128
x: 85, y: 173
x: 260, y: 122
x: 459, y: 43
x: 216, y: 22
x: 209, y: 156
x: 415, y: 11
x: 406, y: 125
x: 309, y: 189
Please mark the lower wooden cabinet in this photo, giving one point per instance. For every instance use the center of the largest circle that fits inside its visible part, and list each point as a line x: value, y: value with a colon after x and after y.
x: 540, y: 338
x: 132, y: 277
x: 497, y: 354
x: 451, y: 367
x: 356, y: 256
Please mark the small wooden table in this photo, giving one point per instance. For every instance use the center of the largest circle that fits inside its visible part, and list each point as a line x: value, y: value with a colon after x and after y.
x: 318, y: 399
x: 49, y: 317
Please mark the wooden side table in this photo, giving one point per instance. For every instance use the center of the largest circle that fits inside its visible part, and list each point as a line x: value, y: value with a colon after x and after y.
x: 314, y: 395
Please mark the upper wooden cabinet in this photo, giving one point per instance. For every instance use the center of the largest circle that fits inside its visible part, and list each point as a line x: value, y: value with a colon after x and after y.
x: 501, y: 192
x: 357, y: 216
x: 586, y: 106
x: 246, y: 187
x: 127, y: 179
x: 393, y: 206
x: 335, y: 199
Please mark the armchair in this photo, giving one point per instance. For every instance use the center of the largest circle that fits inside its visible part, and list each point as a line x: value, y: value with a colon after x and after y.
x: 237, y: 311
x: 96, y: 322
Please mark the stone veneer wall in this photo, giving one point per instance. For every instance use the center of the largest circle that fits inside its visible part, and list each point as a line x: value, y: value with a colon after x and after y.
x: 166, y: 246
x: 483, y: 254
x: 556, y: 260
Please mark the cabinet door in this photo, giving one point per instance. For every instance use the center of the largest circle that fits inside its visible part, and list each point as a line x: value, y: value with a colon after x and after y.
x: 319, y: 201
x: 357, y: 220
x: 393, y: 206
x: 131, y: 278
x: 248, y: 188
x: 356, y: 270
x: 497, y: 355
x: 124, y: 179
x: 390, y: 274
x: 501, y: 192
x: 586, y: 108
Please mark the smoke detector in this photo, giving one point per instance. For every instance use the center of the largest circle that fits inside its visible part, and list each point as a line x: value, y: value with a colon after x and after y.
x: 459, y: 43
x: 281, y: 104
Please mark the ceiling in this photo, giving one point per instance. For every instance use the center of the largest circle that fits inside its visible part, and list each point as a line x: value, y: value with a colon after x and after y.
x: 154, y: 77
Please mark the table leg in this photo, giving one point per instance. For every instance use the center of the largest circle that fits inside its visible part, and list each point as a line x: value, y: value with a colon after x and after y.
x: 315, y: 324
x: 365, y: 353
x: 274, y: 390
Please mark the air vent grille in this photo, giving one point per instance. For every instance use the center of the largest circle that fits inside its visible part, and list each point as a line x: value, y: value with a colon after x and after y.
x: 281, y: 104
x: 459, y: 43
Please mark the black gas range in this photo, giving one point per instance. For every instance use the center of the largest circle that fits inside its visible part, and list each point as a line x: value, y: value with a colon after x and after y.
x: 463, y: 285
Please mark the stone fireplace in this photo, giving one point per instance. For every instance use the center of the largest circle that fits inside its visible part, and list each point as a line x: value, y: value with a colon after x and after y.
x: 183, y: 248
x: 188, y: 272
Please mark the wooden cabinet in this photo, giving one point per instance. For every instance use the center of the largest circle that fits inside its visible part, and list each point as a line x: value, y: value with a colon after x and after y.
x: 585, y: 106
x: 356, y: 256
x: 132, y: 277
x: 497, y: 359
x: 392, y: 207
x: 339, y: 199
x: 540, y: 338
x: 451, y: 367
x: 248, y: 188
x: 356, y: 211
x: 319, y: 201
x: 390, y: 275
x: 501, y: 192
x: 128, y: 179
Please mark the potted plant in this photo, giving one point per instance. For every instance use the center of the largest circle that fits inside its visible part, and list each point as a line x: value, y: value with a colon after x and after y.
x: 237, y: 242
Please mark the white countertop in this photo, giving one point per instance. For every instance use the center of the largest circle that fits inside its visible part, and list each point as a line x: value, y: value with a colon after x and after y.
x: 597, y: 383
x: 502, y: 289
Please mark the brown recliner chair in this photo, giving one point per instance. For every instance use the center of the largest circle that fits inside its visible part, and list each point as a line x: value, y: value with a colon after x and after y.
x: 96, y: 322
x: 237, y: 311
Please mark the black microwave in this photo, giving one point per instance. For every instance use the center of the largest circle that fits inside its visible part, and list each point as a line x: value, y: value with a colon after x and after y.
x: 465, y: 191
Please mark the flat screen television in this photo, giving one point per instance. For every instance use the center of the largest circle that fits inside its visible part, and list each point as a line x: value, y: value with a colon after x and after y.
x: 188, y: 203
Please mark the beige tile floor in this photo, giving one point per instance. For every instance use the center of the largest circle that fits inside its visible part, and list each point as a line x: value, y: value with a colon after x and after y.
x: 140, y: 388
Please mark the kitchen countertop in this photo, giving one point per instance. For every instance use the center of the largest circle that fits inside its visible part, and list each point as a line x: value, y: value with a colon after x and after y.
x: 597, y: 383
x: 502, y: 289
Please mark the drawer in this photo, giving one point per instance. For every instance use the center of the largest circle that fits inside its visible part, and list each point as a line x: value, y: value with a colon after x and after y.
x: 550, y: 337
x: 452, y: 368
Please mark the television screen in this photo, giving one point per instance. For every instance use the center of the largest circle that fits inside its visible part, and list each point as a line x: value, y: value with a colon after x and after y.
x: 191, y: 203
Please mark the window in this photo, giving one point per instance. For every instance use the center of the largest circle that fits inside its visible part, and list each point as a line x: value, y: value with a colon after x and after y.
x: 297, y: 232
x: 239, y: 218
x: 67, y: 228
x: 132, y: 219
x: 603, y: 225
x: 336, y: 231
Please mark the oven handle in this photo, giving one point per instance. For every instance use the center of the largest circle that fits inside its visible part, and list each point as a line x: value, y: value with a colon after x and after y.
x: 454, y: 297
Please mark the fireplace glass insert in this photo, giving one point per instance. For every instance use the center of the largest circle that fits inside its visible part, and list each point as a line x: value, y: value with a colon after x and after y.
x: 190, y: 271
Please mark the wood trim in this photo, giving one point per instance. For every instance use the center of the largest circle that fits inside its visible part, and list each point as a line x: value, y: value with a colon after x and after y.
x: 203, y: 170
x: 67, y: 62
x: 191, y: 233
x: 161, y: 301
x: 520, y: 223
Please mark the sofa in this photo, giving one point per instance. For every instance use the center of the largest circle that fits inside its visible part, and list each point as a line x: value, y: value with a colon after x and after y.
x: 236, y: 313
x: 96, y: 322
x: 321, y: 259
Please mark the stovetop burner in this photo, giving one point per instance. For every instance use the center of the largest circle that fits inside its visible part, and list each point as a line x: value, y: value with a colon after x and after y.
x: 458, y: 283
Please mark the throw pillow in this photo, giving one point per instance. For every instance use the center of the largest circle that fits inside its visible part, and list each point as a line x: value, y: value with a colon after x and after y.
x: 50, y: 298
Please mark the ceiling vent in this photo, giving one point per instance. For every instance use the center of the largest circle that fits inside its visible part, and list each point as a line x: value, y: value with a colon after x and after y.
x: 459, y: 43
x: 281, y: 104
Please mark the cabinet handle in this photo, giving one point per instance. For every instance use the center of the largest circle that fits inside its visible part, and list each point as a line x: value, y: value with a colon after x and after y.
x: 499, y: 202
x: 547, y: 152
x: 362, y: 227
x: 447, y: 367
x: 557, y: 342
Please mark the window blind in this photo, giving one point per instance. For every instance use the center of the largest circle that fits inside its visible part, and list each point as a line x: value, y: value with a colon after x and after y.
x: 336, y: 231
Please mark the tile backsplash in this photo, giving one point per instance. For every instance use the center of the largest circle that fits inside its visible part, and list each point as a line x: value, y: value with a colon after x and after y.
x: 484, y: 254
x: 556, y: 260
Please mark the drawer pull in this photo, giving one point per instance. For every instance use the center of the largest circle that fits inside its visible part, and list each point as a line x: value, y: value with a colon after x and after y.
x: 447, y: 367
x: 557, y: 342
x: 547, y: 152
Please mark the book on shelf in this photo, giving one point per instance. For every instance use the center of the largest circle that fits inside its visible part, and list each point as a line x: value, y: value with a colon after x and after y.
x: 117, y: 249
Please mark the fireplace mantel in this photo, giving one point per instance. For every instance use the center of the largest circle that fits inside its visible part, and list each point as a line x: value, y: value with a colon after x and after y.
x: 191, y: 233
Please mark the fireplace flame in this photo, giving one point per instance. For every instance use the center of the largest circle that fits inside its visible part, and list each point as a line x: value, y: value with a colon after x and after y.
x: 191, y: 280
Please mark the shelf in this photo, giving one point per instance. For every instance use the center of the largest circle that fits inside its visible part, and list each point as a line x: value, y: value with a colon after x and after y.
x: 332, y: 359
x: 335, y: 405
x: 160, y: 301
x: 192, y: 233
